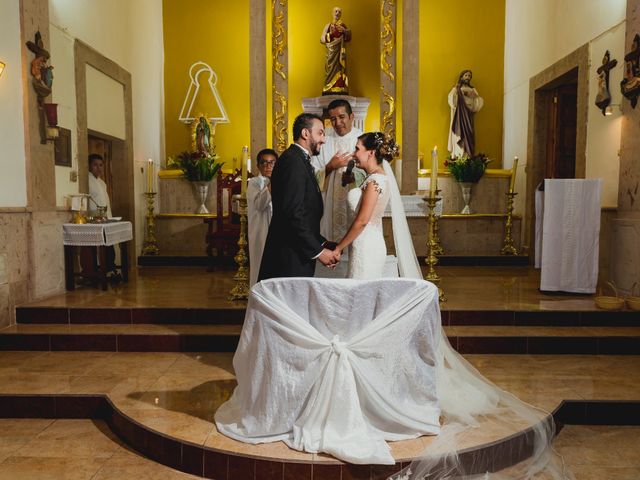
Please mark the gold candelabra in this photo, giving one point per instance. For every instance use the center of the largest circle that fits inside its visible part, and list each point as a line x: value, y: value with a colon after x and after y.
x: 437, y: 249
x: 508, y: 248
x: 240, y: 291
x: 432, y: 244
x: 150, y: 245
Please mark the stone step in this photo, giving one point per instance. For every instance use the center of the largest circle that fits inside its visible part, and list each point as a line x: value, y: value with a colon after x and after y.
x: 235, y: 316
x: 224, y: 338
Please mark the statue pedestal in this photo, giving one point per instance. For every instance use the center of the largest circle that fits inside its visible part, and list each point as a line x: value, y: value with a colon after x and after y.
x: 318, y: 105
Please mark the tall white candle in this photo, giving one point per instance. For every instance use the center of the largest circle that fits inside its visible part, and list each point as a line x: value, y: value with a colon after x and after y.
x: 245, y: 161
x: 150, y: 175
x: 433, y: 184
x: 512, y: 184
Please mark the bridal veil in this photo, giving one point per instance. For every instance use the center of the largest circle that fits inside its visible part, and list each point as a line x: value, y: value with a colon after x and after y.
x: 471, y: 405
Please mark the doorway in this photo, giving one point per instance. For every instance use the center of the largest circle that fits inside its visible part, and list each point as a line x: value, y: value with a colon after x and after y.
x: 557, y: 130
x: 561, y: 135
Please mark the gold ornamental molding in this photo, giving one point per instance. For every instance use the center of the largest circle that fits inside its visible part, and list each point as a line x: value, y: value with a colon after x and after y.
x: 279, y: 36
x: 279, y: 74
x: 279, y: 120
x: 387, y: 37
x: 388, y: 117
x: 388, y: 67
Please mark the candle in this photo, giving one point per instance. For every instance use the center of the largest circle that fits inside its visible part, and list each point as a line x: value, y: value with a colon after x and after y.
x: 513, y: 174
x: 245, y: 161
x: 150, y: 175
x: 433, y: 184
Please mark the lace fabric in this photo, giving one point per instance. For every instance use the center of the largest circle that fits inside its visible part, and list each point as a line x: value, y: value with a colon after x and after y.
x: 368, y: 252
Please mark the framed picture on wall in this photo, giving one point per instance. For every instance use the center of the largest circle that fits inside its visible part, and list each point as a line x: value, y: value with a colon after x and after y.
x: 62, y: 147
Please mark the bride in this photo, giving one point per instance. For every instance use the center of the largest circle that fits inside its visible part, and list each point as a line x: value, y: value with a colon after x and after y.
x: 368, y: 251
x: 468, y: 401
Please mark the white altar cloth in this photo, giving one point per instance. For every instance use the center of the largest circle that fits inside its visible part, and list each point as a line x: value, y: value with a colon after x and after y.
x: 96, y: 234
x: 570, y: 235
x: 336, y: 366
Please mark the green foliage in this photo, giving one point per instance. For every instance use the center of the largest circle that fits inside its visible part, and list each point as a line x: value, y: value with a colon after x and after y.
x: 466, y: 168
x: 196, y: 166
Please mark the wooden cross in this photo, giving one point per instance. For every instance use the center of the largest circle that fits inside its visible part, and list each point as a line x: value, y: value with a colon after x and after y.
x: 607, y: 65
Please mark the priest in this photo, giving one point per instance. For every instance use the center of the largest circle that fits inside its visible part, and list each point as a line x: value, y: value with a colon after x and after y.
x: 331, y: 164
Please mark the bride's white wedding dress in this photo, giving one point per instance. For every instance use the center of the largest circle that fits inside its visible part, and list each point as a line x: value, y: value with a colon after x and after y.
x: 467, y: 399
x: 368, y: 252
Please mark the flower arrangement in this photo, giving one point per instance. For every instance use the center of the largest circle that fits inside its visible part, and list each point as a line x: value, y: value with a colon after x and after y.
x: 465, y: 168
x: 196, y: 166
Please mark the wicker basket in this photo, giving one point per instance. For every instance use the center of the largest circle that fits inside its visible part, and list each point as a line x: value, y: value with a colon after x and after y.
x: 633, y: 301
x: 606, y: 302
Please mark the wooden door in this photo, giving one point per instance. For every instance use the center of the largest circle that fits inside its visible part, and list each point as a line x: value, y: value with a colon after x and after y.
x: 561, y: 138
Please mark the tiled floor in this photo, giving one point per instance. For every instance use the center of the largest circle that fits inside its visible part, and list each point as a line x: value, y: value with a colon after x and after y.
x: 71, y: 450
x: 177, y: 394
x: 466, y: 288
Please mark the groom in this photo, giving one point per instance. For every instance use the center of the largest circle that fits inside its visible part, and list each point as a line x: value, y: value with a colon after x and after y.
x: 294, y: 242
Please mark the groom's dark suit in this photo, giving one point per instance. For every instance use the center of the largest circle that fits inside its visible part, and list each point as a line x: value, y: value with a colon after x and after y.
x: 294, y: 236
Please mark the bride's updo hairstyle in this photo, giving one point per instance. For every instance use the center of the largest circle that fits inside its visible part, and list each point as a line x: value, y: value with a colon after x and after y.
x: 385, y: 147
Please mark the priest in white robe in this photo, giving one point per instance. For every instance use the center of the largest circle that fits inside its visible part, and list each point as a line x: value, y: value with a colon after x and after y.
x: 259, y: 209
x: 331, y: 164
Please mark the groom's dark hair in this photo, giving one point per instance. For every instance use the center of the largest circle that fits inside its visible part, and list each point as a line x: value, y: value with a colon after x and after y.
x: 302, y: 121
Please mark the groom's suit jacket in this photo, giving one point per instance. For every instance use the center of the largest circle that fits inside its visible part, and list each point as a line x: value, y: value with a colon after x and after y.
x: 294, y: 233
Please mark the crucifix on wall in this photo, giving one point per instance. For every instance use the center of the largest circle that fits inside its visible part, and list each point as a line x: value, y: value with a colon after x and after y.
x: 603, y: 98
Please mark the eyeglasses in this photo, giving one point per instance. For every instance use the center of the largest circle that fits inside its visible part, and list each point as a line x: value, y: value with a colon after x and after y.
x: 269, y: 163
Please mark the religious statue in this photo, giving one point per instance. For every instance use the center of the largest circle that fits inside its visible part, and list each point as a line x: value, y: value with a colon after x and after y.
x: 41, y: 72
x: 203, y: 136
x: 603, y: 97
x: 334, y: 35
x: 630, y: 84
x: 464, y: 102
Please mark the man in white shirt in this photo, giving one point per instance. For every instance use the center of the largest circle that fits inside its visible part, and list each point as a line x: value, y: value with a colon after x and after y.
x: 331, y: 163
x: 100, y: 195
x: 97, y: 186
x: 259, y: 210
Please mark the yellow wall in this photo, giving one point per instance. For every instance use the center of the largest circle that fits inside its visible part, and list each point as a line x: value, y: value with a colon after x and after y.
x: 307, y: 54
x: 454, y: 36
x: 217, y: 33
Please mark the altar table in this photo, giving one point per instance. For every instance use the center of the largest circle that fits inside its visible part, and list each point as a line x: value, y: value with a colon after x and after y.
x: 98, y: 235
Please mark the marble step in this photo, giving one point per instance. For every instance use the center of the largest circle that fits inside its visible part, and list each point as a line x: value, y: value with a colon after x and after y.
x: 77, y: 315
x: 224, y: 338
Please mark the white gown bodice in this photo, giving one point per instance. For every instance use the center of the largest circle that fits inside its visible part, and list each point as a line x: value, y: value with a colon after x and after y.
x: 368, y: 252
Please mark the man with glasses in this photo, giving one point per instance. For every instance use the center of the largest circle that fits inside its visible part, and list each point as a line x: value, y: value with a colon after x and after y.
x: 259, y: 209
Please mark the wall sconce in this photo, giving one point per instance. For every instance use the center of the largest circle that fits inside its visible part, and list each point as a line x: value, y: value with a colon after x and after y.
x: 51, y: 114
x: 608, y: 111
x: 2, y: 65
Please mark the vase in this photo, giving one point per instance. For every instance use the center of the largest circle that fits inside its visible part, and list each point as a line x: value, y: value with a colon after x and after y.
x: 202, y: 190
x: 466, y: 196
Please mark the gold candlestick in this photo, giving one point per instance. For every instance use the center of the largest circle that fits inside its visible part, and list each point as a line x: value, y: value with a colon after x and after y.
x: 431, y: 259
x: 508, y: 248
x: 437, y: 250
x: 150, y: 245
x: 240, y: 291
